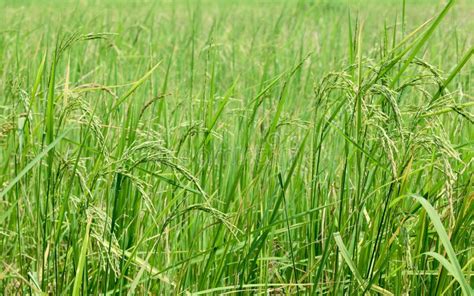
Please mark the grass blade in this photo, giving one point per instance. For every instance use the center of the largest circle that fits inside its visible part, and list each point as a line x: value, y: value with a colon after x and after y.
x: 82, y: 260
x: 443, y: 236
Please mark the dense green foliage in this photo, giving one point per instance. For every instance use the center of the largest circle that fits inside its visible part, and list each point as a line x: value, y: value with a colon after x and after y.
x: 253, y: 147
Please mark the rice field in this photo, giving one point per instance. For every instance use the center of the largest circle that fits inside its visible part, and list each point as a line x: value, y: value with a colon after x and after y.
x: 225, y: 147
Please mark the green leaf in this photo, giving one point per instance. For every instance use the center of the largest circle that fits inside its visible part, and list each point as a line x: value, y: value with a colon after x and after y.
x: 455, y: 271
x: 82, y: 260
x: 347, y: 258
x: 32, y: 163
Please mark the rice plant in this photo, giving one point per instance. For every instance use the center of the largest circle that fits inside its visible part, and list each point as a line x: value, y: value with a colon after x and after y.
x: 304, y: 147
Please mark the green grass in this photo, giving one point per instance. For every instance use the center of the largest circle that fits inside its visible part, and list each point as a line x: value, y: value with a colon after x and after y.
x: 236, y: 147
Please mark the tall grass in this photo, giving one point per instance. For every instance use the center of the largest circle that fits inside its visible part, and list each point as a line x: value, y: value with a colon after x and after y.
x: 236, y: 147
